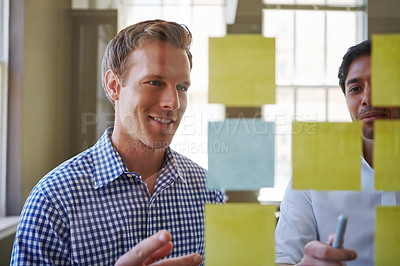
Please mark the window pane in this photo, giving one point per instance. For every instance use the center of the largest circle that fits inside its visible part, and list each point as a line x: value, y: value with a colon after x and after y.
x: 279, y: 24
x: 310, y: 104
x: 282, y: 114
x: 310, y: 2
x: 143, y: 2
x: 98, y: 4
x: 337, y: 109
x: 316, y: 2
x: 208, y: 2
x: 345, y: 2
x: 283, y: 117
x: 283, y: 109
x: 133, y: 14
x: 202, y: 29
x: 341, y: 34
x: 178, y: 13
x: 280, y: 2
x: 79, y: 4
x: 176, y: 2
x: 309, y: 53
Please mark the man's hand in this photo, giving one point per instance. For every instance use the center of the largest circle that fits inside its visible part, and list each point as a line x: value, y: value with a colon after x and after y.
x: 154, y: 248
x: 318, y: 253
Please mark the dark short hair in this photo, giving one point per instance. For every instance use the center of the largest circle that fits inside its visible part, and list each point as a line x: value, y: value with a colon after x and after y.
x: 127, y: 40
x: 352, y: 53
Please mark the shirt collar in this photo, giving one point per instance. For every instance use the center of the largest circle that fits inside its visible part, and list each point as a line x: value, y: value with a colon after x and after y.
x: 108, y: 164
x: 173, y: 164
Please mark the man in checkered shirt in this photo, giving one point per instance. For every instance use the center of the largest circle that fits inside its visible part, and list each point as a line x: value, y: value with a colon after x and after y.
x: 130, y: 193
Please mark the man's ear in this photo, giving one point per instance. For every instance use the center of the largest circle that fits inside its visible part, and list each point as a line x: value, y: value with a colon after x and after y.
x: 113, y: 85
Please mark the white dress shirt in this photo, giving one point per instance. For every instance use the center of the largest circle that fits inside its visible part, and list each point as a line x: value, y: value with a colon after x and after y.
x: 308, y: 215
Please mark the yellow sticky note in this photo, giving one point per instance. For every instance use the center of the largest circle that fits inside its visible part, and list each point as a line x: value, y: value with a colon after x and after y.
x: 387, y: 154
x: 387, y: 235
x: 327, y: 156
x: 385, y: 70
x: 239, y: 234
x: 242, y: 70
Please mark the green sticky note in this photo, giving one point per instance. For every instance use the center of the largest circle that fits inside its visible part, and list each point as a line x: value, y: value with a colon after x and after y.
x: 239, y: 234
x: 241, y: 154
x: 242, y: 70
x: 385, y: 70
x: 327, y: 156
x: 387, y: 235
x: 387, y: 154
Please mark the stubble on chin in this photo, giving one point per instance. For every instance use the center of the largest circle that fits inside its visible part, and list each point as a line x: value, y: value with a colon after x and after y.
x: 368, y: 133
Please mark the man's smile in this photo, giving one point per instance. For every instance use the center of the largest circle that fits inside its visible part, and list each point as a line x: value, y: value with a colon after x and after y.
x: 370, y: 114
x: 162, y: 120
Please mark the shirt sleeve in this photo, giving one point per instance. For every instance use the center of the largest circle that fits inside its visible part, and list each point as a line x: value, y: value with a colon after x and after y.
x: 296, y: 226
x: 219, y: 196
x: 42, y: 236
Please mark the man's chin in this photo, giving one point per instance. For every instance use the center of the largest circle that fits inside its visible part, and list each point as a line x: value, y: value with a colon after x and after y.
x: 368, y: 133
x: 160, y: 144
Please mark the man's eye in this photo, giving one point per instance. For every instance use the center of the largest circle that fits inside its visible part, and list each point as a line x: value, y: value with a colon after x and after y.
x: 181, y: 88
x: 354, y: 89
x: 155, y: 83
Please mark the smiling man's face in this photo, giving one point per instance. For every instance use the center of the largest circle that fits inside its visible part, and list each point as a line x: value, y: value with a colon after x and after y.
x: 358, y: 96
x: 150, y: 105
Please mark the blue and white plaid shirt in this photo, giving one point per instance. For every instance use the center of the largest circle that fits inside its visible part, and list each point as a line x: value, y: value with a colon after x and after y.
x: 90, y: 210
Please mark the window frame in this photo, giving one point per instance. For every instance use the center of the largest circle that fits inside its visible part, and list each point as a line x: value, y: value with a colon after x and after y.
x: 4, y: 36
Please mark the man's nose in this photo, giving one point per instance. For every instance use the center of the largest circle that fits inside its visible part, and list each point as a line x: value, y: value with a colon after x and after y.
x: 366, y: 97
x: 170, y: 98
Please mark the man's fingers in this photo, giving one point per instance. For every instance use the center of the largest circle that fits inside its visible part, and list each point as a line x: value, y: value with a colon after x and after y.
x: 331, y: 238
x: 160, y: 253
x: 188, y: 260
x: 144, y: 249
x: 154, y: 248
x: 316, y: 262
x: 324, y: 251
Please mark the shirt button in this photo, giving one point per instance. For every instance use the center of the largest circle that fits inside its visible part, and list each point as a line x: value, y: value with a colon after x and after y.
x: 129, y: 175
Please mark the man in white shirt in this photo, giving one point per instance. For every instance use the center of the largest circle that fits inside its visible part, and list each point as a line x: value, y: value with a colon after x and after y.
x: 308, y: 218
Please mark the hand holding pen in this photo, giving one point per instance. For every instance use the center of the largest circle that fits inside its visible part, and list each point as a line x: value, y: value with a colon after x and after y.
x: 331, y: 253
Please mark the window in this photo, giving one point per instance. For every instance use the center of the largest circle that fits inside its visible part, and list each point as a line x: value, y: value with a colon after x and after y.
x: 311, y: 38
x: 3, y: 101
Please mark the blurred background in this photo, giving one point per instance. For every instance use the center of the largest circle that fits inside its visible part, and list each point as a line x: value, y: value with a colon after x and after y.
x: 52, y: 104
